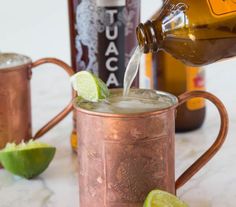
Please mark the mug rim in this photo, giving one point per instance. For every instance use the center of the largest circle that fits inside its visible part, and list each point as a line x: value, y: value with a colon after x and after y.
x: 16, y: 67
x: 175, y: 102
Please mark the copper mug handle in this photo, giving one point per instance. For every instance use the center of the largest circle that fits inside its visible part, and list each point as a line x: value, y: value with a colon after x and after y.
x: 67, y: 109
x: 194, y: 168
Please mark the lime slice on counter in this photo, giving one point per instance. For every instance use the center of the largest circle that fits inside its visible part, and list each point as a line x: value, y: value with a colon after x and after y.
x: 158, y: 198
x: 27, y: 160
x: 89, y: 86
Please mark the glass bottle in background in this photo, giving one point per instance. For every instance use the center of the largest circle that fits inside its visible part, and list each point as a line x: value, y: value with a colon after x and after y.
x: 168, y: 74
x: 103, y: 39
x: 195, y: 39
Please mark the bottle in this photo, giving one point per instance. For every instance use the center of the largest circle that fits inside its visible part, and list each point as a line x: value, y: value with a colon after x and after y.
x: 103, y: 39
x: 159, y: 71
x: 183, y: 78
x: 196, y: 32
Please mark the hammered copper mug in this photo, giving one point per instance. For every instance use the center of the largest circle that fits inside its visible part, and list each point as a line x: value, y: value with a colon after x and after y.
x: 122, y: 157
x: 15, y: 98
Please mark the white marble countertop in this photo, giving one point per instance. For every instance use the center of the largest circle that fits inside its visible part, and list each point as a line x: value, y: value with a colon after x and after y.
x: 213, y: 186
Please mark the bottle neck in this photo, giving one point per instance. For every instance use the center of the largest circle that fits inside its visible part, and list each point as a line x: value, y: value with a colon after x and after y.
x: 148, y: 37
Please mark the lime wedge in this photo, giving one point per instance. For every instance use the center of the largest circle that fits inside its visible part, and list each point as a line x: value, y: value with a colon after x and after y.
x: 158, y: 198
x: 89, y: 86
x: 27, y: 160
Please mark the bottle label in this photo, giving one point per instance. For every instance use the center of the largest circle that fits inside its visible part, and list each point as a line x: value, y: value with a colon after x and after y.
x: 195, y: 81
x: 111, y: 44
x: 105, y: 37
x: 222, y: 7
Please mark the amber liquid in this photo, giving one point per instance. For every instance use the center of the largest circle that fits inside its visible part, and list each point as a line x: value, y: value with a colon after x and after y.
x: 202, y: 52
x: 195, y: 32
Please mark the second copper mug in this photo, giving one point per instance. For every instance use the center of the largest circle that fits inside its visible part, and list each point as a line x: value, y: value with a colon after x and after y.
x: 122, y: 157
x: 15, y: 98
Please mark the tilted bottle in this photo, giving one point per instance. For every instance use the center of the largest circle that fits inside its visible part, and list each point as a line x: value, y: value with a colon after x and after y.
x: 169, y: 74
x: 103, y: 39
x: 197, y: 32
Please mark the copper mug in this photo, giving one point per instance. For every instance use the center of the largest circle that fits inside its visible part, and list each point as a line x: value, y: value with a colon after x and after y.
x: 15, y: 99
x: 122, y: 157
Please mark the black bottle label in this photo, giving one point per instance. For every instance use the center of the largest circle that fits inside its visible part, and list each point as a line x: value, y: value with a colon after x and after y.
x: 111, y: 43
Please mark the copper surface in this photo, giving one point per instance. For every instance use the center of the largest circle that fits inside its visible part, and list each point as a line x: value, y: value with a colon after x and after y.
x: 15, y: 103
x: 123, y: 157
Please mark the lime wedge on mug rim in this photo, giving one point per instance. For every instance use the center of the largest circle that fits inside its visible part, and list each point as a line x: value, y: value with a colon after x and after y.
x: 158, y: 198
x: 89, y: 86
x: 27, y: 160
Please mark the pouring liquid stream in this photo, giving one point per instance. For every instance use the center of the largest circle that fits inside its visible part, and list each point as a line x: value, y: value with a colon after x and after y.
x: 132, y: 70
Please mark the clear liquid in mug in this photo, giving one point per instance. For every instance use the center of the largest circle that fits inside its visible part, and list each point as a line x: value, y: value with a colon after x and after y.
x: 138, y: 101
